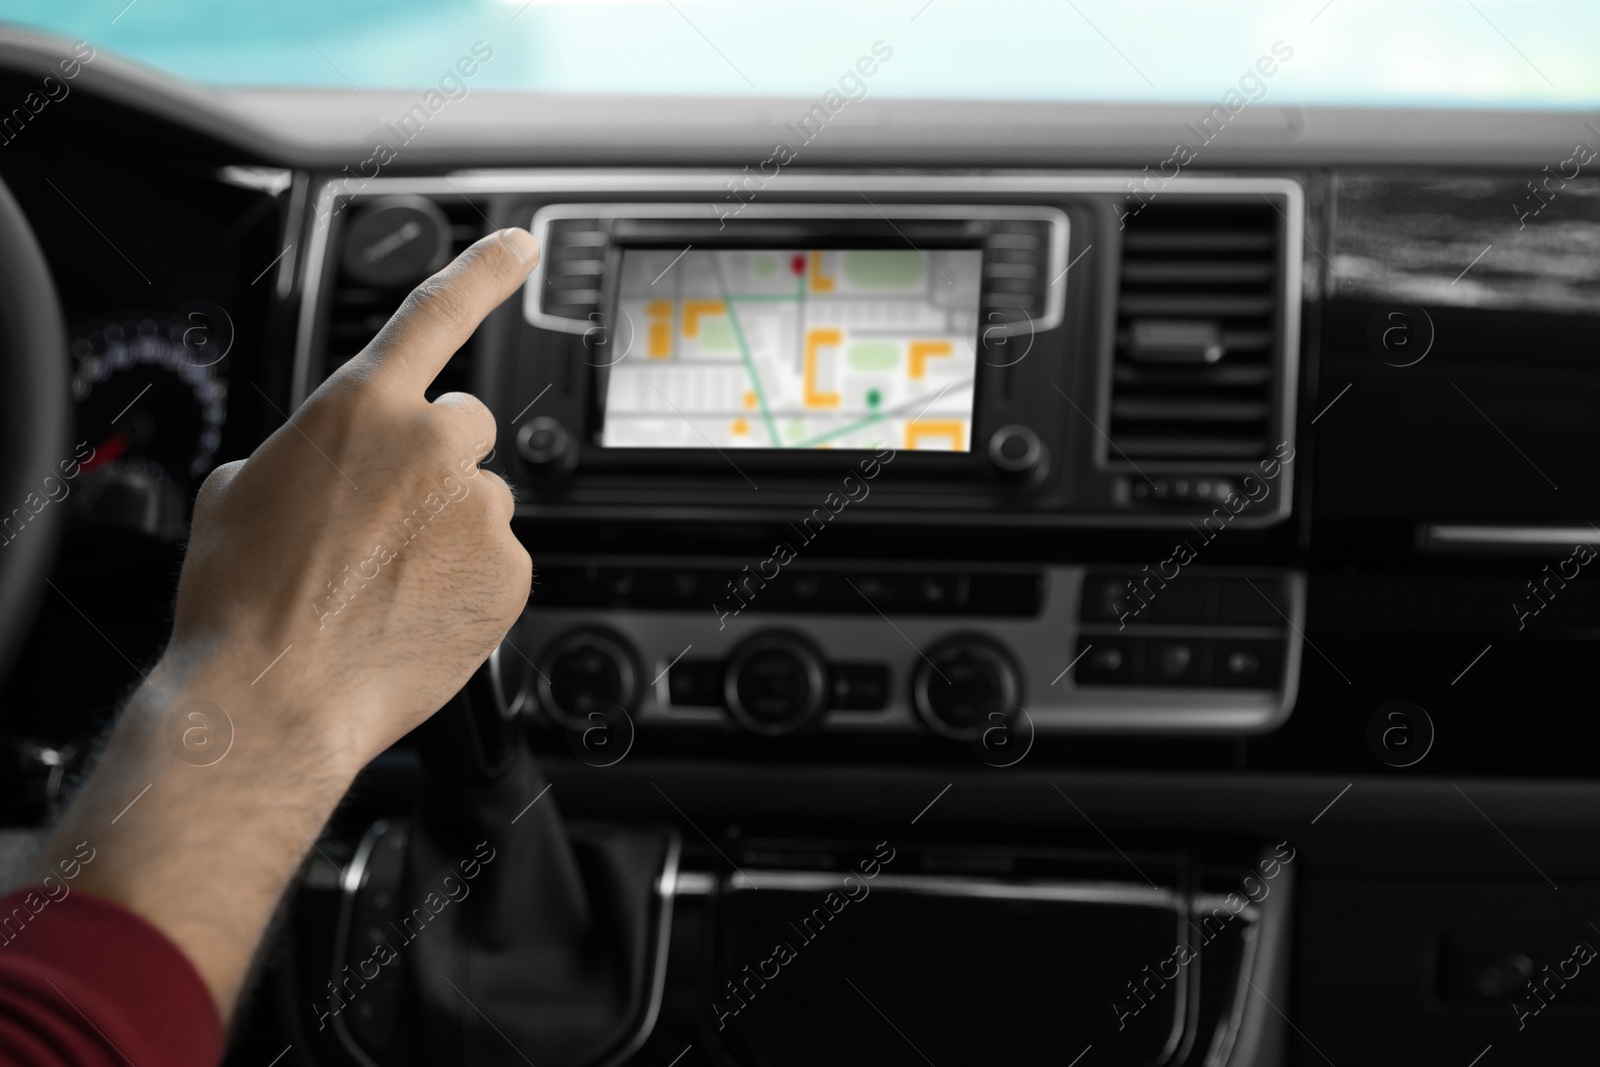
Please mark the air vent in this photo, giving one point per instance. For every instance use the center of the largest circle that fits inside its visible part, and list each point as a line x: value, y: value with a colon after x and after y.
x: 356, y: 311
x: 574, y: 269
x: 1198, y: 334
x: 1016, y: 272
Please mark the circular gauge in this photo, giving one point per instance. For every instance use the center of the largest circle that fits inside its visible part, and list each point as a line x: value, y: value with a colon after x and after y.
x: 145, y: 400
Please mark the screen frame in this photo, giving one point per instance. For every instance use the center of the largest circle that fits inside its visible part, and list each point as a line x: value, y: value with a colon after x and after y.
x: 821, y: 222
x: 600, y: 374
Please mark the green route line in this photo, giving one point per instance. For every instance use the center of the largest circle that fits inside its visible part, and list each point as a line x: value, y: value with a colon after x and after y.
x: 840, y: 432
x: 744, y: 348
x: 799, y: 297
x: 750, y: 369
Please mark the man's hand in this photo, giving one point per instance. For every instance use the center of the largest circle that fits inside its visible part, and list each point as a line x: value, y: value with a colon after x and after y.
x: 361, y: 543
x: 339, y: 586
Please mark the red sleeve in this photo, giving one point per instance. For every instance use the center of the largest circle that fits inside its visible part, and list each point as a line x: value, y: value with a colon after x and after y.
x: 87, y: 983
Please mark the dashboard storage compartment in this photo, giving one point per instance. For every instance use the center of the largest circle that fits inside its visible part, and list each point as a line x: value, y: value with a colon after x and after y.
x: 853, y: 952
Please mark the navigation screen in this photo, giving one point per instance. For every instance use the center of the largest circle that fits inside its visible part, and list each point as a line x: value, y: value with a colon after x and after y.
x: 779, y: 348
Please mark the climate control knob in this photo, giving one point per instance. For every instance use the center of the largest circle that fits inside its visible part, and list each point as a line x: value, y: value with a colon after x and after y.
x: 966, y: 685
x: 1018, y: 457
x: 775, y: 684
x: 548, y: 449
x: 584, y: 671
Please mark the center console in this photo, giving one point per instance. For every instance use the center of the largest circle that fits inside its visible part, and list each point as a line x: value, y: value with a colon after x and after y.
x: 787, y: 360
x: 914, y: 469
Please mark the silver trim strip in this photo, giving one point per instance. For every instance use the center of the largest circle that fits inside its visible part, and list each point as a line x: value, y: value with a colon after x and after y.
x: 666, y: 891
x: 1061, y: 892
x: 1264, y: 947
x: 1460, y: 537
x: 1226, y: 1035
x: 695, y: 884
x: 533, y: 294
x: 349, y: 885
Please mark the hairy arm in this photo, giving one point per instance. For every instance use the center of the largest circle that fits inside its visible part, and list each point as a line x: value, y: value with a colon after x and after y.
x: 339, y: 586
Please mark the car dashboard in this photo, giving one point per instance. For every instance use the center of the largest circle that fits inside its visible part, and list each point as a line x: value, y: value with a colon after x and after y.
x: 1110, y: 537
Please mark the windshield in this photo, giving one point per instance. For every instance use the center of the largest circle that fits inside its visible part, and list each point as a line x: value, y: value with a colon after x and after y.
x: 1435, y: 53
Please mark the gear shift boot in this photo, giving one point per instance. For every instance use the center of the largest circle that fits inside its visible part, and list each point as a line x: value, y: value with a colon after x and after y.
x: 509, y: 939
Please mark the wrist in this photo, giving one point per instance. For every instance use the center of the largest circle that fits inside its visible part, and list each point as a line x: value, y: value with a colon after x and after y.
x: 210, y: 709
x: 205, y: 772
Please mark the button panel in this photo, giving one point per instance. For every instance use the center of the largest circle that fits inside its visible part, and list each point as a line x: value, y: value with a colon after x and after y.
x: 1009, y: 594
x: 1213, y: 650
x: 1191, y: 630
x: 698, y: 683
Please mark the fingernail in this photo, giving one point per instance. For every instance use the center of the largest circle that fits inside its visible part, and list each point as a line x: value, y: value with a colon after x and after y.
x: 521, y: 242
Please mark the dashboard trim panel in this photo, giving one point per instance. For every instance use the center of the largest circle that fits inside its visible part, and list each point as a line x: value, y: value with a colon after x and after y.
x: 1043, y: 645
x: 603, y: 183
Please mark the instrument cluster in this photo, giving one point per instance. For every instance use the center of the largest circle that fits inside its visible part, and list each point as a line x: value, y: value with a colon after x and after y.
x: 151, y: 394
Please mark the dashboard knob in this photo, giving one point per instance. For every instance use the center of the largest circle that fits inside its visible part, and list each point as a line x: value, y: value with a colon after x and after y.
x: 584, y: 671
x: 962, y: 684
x: 547, y: 447
x: 775, y: 684
x: 1017, y: 456
x: 396, y: 240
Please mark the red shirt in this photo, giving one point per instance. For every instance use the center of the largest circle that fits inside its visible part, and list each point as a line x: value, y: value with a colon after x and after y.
x: 87, y: 983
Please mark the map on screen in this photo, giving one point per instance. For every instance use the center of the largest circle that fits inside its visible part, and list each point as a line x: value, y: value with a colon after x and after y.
x: 784, y: 348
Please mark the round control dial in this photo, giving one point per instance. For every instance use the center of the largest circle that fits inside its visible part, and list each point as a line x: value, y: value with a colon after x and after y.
x: 547, y: 447
x: 586, y: 671
x: 775, y: 684
x: 963, y: 684
x: 1018, y: 457
x: 395, y: 241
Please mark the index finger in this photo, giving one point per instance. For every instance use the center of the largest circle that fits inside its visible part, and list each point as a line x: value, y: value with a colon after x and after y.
x: 441, y: 313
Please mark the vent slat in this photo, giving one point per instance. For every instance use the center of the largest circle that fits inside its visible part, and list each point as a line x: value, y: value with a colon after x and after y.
x: 1194, y: 271
x: 1192, y: 377
x: 1176, y: 240
x: 1188, y: 448
x: 1188, y: 305
x: 576, y: 253
x: 1192, y: 410
x: 1016, y: 267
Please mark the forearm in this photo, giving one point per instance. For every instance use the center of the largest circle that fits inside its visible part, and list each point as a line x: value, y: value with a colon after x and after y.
x: 195, y: 831
x: 226, y: 763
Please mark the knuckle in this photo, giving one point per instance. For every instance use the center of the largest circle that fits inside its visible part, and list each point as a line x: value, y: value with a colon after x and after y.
x: 523, y: 564
x: 495, y: 487
x: 516, y: 567
x: 474, y: 412
x: 217, y: 481
x: 432, y: 433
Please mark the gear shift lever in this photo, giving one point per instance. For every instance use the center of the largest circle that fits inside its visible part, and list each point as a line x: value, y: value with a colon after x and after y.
x: 548, y: 950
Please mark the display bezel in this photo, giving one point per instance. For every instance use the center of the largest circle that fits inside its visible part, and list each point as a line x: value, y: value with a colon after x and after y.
x: 600, y: 372
x: 803, y: 226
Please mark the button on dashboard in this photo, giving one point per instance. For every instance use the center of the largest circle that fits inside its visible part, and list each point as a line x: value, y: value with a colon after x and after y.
x: 1108, y: 660
x: 695, y: 683
x: 859, y: 687
x: 1177, y: 661
x: 1247, y: 663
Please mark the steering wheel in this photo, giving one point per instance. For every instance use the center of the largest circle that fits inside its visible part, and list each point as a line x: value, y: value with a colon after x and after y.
x: 34, y: 415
